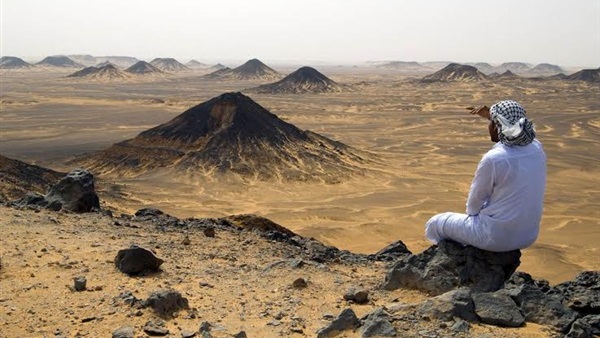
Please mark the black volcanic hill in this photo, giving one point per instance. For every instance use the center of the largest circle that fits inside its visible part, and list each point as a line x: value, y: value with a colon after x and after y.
x: 17, y: 178
x: 508, y: 75
x: 251, y: 70
x: 107, y: 72
x: 546, y: 68
x: 587, y: 75
x: 59, y: 61
x: 515, y: 67
x: 168, y: 65
x: 143, y: 67
x: 12, y: 62
x: 456, y: 72
x: 231, y: 134
x: 304, y: 80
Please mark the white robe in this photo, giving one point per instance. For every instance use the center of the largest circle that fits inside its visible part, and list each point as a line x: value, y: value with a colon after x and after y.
x: 505, y: 202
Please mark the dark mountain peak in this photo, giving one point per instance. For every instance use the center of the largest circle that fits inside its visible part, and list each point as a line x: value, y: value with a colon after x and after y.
x: 252, y: 69
x: 456, y: 72
x: 12, y: 62
x: 303, y: 80
x: 59, y: 61
x: 143, y: 67
x: 587, y: 75
x: 108, y: 71
x: 232, y: 134
x: 168, y: 64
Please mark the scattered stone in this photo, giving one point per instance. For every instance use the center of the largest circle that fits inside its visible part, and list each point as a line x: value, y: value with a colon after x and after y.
x: 205, y: 327
x: 359, y: 296
x: 498, y: 309
x: 461, y: 326
x: 378, y: 323
x: 124, y: 332
x: 241, y: 334
x: 346, y: 320
x: 79, y: 283
x: 188, y: 334
x: 209, y: 232
x: 450, y: 265
x: 166, y: 302
x: 136, y: 260
x: 149, y: 212
x: 296, y: 263
x: 156, y: 328
x: 75, y: 193
x: 300, y: 283
x: 186, y: 240
x: 456, y: 303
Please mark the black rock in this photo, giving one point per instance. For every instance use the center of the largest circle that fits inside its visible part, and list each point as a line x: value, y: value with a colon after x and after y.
x: 581, y: 329
x: 378, y: 323
x: 393, y: 251
x: 455, y: 303
x: 583, y: 293
x: 31, y: 199
x: 346, y: 320
x: 300, y: 283
x: 136, y: 260
x: 156, y: 328
x: 152, y: 212
x: 543, y: 308
x: 241, y: 334
x: 497, y: 308
x: 166, y: 302
x: 359, y: 296
x: 124, y: 332
x: 450, y: 265
x: 79, y: 283
x: 75, y: 193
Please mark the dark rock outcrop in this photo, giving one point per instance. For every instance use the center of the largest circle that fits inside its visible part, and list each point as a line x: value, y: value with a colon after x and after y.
x: 346, y: 320
x: 135, y: 260
x: 450, y: 265
x: 583, y: 293
x: 392, y: 251
x: 455, y: 303
x: 75, y: 193
x: 497, y: 308
x: 586, y: 75
x: 18, y: 178
x: 377, y: 323
x: 166, y: 302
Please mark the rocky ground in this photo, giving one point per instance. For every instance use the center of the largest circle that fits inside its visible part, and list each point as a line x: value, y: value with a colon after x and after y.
x: 69, y: 269
x: 235, y: 281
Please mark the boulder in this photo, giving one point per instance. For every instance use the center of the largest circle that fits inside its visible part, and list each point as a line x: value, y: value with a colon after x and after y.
x: 135, y: 260
x: 75, y: 193
x: 124, y: 332
x: 450, y: 265
x: 497, y: 308
x: 455, y: 303
x: 346, y: 320
x: 581, y: 328
x: 166, y: 302
x: 357, y: 295
x: 377, y: 323
x: 156, y: 328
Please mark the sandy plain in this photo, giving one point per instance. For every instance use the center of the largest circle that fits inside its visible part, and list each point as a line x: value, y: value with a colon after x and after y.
x: 428, y: 144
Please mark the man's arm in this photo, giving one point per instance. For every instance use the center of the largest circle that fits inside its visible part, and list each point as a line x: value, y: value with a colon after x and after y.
x: 481, y: 187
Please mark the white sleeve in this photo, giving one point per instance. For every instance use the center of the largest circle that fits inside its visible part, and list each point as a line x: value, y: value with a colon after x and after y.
x: 481, y: 187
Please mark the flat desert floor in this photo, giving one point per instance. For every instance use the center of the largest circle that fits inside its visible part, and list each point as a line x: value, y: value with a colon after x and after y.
x: 428, y: 144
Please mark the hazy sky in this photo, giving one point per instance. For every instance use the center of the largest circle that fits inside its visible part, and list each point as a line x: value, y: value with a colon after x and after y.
x: 556, y: 31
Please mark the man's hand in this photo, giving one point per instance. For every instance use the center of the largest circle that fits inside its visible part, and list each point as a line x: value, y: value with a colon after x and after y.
x: 483, y: 111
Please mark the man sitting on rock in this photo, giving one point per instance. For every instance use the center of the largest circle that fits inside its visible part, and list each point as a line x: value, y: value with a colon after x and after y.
x: 505, y: 202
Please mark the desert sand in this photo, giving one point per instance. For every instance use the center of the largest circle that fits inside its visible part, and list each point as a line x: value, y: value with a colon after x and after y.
x: 428, y: 144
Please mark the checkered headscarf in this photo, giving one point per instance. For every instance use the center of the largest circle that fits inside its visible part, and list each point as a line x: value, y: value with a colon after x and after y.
x: 514, y: 129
